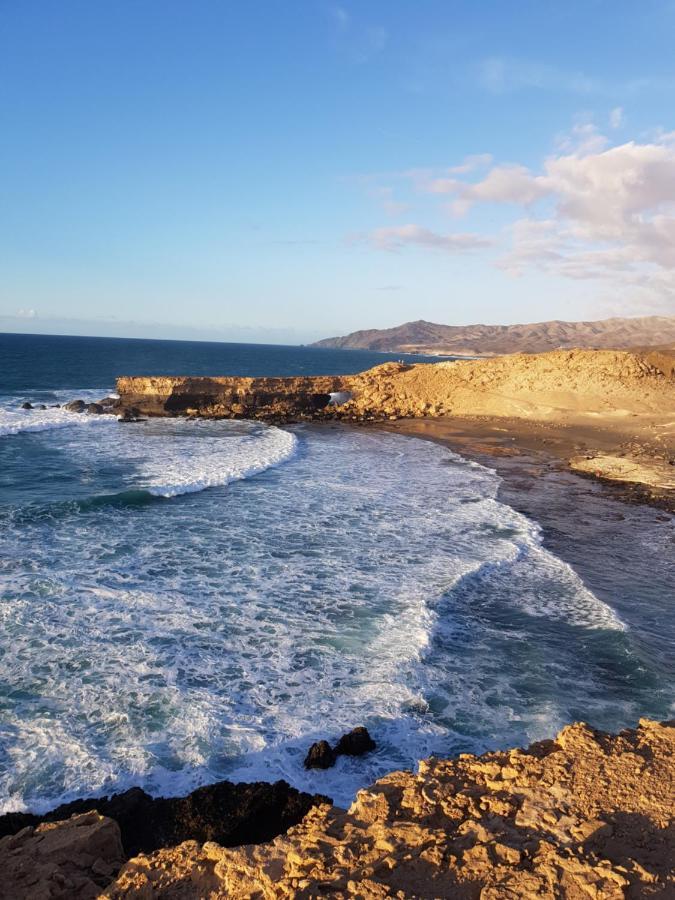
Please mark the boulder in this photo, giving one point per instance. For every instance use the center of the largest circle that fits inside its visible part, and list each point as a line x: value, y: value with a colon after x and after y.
x: 26, y: 405
x: 355, y: 742
x: 320, y: 756
x: 94, y: 409
x: 76, y: 406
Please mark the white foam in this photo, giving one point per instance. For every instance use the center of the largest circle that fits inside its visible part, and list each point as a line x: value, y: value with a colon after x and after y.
x: 25, y: 420
x: 189, y: 468
x: 373, y: 580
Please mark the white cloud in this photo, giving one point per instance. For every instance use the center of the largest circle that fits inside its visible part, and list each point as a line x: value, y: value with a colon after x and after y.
x: 397, y: 237
x: 590, y: 211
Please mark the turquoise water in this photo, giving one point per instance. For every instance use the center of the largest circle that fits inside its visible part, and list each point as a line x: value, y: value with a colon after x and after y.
x: 188, y: 601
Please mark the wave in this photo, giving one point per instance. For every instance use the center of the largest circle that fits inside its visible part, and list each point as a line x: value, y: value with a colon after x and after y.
x: 27, y: 420
x: 186, y: 472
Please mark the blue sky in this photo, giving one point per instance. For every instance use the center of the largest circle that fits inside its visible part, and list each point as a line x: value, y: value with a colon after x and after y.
x: 284, y: 171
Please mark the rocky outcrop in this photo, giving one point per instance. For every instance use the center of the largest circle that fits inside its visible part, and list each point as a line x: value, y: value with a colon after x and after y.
x: 228, y: 397
x: 228, y: 813
x: 533, y: 386
x: 356, y: 742
x: 75, y: 858
x: 585, y: 815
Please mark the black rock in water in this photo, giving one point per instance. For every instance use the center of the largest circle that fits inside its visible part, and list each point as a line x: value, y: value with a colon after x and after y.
x: 26, y: 405
x: 321, y: 756
x: 230, y: 814
x: 75, y: 406
x: 94, y: 409
x: 129, y: 414
x: 355, y: 742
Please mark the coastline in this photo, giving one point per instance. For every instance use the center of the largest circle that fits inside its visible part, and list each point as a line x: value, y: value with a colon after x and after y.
x: 531, y: 458
x: 517, y: 447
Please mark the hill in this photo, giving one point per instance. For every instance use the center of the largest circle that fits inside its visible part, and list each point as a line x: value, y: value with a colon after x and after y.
x: 493, y: 340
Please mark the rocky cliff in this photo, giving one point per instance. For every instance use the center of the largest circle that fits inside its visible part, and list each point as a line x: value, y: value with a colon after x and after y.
x: 537, y: 386
x: 587, y: 815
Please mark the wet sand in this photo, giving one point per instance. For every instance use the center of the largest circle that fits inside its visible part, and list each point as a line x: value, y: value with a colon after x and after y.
x: 633, y: 460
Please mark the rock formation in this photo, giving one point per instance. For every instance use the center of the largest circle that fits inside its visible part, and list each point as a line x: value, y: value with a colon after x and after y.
x: 76, y: 858
x: 229, y: 813
x: 536, y: 386
x: 585, y: 815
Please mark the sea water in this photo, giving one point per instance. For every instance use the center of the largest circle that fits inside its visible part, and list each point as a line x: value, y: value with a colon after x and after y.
x: 183, y: 602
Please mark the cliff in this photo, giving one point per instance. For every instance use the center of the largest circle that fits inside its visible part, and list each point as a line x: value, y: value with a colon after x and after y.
x: 488, y: 340
x: 535, y: 386
x: 585, y: 815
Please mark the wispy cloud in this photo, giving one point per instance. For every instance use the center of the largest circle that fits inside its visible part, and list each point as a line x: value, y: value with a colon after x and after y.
x: 360, y: 40
x: 500, y: 75
x: 398, y: 237
x: 616, y: 117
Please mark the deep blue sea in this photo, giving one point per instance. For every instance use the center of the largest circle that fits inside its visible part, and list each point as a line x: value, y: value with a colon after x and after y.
x: 182, y: 602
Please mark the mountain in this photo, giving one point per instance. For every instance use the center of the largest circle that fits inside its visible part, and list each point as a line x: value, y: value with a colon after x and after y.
x: 492, y: 340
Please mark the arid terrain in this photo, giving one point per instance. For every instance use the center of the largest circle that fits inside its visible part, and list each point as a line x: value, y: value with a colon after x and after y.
x: 491, y: 340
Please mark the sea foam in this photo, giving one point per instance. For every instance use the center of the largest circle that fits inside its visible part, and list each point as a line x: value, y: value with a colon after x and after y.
x: 372, y: 579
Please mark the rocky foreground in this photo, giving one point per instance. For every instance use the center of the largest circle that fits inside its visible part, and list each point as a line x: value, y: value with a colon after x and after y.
x: 585, y: 815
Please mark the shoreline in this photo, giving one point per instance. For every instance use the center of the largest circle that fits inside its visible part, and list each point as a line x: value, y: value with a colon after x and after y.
x: 547, y: 446
x: 531, y: 458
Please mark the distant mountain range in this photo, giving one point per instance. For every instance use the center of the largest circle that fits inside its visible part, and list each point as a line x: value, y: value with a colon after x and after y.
x: 491, y: 340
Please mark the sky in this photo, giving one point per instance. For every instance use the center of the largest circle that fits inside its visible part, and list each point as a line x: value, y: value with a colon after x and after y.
x: 282, y: 172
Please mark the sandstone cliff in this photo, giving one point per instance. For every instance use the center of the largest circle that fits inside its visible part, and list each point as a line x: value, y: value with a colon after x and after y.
x: 534, y: 386
x: 585, y: 815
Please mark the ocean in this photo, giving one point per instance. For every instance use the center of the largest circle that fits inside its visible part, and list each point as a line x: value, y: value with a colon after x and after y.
x: 183, y: 602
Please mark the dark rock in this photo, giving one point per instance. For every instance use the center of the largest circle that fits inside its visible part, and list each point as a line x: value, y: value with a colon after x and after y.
x: 230, y: 814
x: 128, y: 414
x: 355, y: 742
x: 94, y: 409
x: 55, y: 406
x: 26, y: 405
x: 108, y: 402
x: 321, y: 756
x: 75, y: 406
x: 41, y: 406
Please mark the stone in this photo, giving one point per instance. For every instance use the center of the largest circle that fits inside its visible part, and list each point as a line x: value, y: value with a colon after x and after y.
x: 355, y: 742
x: 26, y: 405
x: 320, y: 756
x: 75, y: 406
x: 74, y: 858
x: 94, y: 409
x: 230, y: 814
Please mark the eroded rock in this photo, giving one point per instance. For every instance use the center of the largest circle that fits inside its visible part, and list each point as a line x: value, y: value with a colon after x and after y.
x: 228, y: 813
x: 320, y: 756
x: 74, y: 858
x: 586, y: 815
